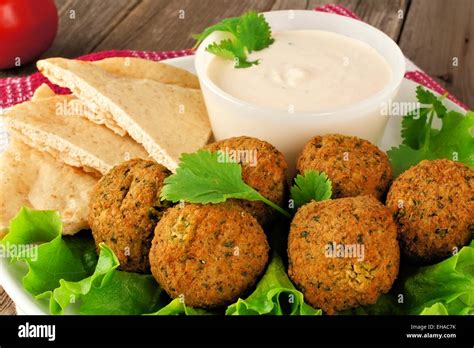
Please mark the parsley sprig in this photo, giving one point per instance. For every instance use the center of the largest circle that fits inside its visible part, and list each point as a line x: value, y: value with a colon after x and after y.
x: 454, y: 140
x: 311, y: 186
x: 249, y: 32
x: 202, y: 177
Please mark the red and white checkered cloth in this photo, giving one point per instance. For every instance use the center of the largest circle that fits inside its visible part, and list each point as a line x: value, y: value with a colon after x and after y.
x: 14, y: 90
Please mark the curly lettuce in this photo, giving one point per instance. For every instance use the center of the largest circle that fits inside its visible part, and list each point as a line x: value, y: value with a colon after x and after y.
x: 177, y: 307
x: 274, y: 295
x: 444, y: 288
x: 66, y: 270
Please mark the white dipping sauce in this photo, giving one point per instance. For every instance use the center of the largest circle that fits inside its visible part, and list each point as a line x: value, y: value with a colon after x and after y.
x: 305, y: 70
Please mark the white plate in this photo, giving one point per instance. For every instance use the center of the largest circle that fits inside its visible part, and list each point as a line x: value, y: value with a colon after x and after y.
x: 11, y: 275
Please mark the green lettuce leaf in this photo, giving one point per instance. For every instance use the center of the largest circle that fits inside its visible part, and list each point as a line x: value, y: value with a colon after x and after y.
x: 450, y: 282
x: 55, y: 259
x: 443, y: 288
x: 455, y: 138
x: 123, y: 293
x: 177, y: 307
x: 32, y: 227
x: 65, y: 270
x: 275, y: 295
x: 437, y: 309
x: 71, y: 291
x: 385, y: 305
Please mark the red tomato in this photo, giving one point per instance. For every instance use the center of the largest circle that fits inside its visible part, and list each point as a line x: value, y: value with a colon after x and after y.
x: 27, y: 29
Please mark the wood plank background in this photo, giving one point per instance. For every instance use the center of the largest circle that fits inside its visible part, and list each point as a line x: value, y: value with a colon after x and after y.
x: 432, y: 33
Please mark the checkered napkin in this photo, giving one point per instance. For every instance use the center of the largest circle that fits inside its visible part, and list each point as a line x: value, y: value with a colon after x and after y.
x: 14, y: 90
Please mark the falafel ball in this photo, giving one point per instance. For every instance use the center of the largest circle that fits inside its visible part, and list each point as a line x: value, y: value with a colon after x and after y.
x: 433, y: 205
x: 263, y: 168
x: 355, y: 166
x: 124, y: 209
x: 209, y: 255
x: 343, y: 253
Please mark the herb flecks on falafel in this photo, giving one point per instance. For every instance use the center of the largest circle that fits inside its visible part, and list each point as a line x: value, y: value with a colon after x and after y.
x: 355, y: 166
x: 433, y: 205
x: 263, y: 168
x: 208, y: 255
x: 343, y: 253
x: 124, y: 209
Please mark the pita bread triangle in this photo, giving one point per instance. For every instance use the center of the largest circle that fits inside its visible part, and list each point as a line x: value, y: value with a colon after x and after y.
x: 167, y: 120
x: 139, y: 69
x: 45, y: 125
x: 147, y: 69
x: 35, y: 179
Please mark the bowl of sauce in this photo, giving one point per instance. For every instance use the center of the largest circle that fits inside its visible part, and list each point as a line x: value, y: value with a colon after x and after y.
x: 324, y: 73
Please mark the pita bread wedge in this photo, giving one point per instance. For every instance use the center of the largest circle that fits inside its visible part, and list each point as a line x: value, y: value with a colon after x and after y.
x: 147, y: 69
x: 51, y: 125
x: 88, y: 111
x: 135, y: 68
x: 43, y: 92
x: 94, y: 114
x: 34, y: 179
x: 167, y: 120
x: 139, y: 69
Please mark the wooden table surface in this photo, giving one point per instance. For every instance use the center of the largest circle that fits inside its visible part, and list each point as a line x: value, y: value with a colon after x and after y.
x: 432, y: 33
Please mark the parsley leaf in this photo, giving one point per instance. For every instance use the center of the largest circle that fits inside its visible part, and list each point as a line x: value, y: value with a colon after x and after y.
x: 227, y: 25
x: 204, y: 177
x: 225, y: 49
x: 248, y: 33
x: 311, y: 186
x: 254, y: 32
x: 424, y: 96
x: 231, y: 50
x: 454, y: 140
x: 404, y: 157
x: 414, y: 127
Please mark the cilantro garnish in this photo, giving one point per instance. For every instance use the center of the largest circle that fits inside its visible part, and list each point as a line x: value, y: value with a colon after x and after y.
x: 311, y: 186
x: 454, y: 140
x: 203, y: 178
x: 249, y: 32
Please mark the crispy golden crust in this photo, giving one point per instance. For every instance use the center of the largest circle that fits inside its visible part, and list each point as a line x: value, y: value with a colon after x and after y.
x: 355, y: 166
x: 124, y: 209
x: 267, y: 176
x: 339, y: 283
x: 208, y: 254
x: 433, y: 205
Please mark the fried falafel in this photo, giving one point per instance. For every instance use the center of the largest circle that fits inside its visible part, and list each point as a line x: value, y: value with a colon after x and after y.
x: 355, y: 166
x: 124, y: 209
x: 433, y: 205
x: 208, y: 255
x: 263, y: 168
x: 343, y: 253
